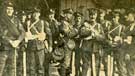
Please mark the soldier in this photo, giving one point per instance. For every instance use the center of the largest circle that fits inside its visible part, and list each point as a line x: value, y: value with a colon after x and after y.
x: 67, y: 35
x: 115, y: 36
x: 53, y: 36
x: 129, y: 46
x: 12, y: 34
x: 36, y: 36
x: 106, y: 27
x: 92, y: 35
x: 77, y: 26
x: 53, y: 24
x: 22, y: 50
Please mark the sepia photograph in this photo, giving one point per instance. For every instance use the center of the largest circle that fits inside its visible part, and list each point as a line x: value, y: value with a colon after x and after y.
x: 67, y: 37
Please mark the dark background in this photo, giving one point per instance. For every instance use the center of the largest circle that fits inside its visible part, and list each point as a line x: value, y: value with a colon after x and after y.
x: 80, y: 5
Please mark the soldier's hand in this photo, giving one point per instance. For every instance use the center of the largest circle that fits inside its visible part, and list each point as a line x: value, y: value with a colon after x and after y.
x: 28, y: 35
x: 128, y: 40
x: 117, y: 38
x: 15, y: 43
x: 41, y: 36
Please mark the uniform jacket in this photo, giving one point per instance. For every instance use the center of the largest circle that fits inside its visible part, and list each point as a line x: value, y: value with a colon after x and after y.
x: 11, y: 29
x: 36, y: 44
x: 93, y: 36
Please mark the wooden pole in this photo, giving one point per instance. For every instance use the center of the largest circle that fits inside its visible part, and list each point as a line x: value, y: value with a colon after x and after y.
x: 24, y: 64
x: 111, y: 70
x: 108, y: 65
x: 15, y: 54
x: 93, y: 65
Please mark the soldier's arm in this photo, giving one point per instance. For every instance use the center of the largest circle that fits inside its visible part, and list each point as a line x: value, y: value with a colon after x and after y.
x: 73, y: 33
x: 65, y: 27
x: 22, y: 35
x: 49, y: 35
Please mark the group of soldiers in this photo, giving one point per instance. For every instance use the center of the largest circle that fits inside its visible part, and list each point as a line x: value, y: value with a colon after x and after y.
x: 30, y: 44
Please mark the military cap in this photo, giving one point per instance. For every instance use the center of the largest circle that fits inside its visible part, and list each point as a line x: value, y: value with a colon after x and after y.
x: 92, y: 11
x: 115, y: 13
x: 36, y: 9
x: 22, y: 13
x: 102, y: 10
x: 50, y: 11
x: 8, y: 4
x: 78, y: 14
x: 69, y: 10
x: 29, y: 10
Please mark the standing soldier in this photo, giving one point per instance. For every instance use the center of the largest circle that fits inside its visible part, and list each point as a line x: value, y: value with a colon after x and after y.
x: 115, y: 37
x: 92, y: 34
x: 12, y: 33
x: 53, y: 34
x: 105, y: 52
x: 67, y: 34
x: 35, y: 36
x: 53, y: 24
x: 20, y: 63
x: 129, y: 46
x: 77, y: 26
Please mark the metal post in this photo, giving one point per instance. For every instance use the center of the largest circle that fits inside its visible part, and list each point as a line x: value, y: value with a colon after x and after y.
x: 93, y: 64
x: 24, y: 64
x: 15, y: 54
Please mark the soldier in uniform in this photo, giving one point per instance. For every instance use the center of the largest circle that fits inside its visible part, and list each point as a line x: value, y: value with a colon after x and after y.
x: 67, y: 35
x: 53, y: 24
x: 106, y: 27
x: 115, y: 36
x: 92, y: 35
x: 21, y: 56
x: 35, y: 36
x: 77, y: 26
x: 129, y: 46
x: 12, y: 34
x: 53, y: 35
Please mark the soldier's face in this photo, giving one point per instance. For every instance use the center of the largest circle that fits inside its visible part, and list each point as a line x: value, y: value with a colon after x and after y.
x: 129, y: 17
x: 78, y: 19
x: 102, y: 14
x: 36, y: 15
x: 115, y: 19
x: 9, y: 11
x: 93, y: 17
